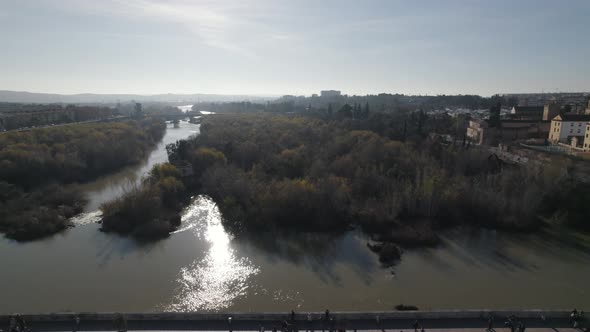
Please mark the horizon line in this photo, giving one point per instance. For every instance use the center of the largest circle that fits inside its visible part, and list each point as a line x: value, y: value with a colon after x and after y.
x: 261, y: 95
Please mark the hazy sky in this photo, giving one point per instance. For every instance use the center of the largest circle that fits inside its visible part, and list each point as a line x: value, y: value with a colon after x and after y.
x: 274, y: 47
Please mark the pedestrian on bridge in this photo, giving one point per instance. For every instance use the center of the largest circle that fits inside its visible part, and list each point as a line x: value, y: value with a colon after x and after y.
x: 286, y: 326
x: 12, y: 324
x: 20, y: 323
x: 511, y: 323
x: 573, y: 317
x: 121, y: 323
x: 76, y: 324
x: 490, y: 323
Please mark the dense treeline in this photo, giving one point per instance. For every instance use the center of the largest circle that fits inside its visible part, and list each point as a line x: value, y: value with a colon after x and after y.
x: 74, y: 153
x: 150, y: 210
x: 35, y: 164
x: 384, y: 173
x: 384, y: 103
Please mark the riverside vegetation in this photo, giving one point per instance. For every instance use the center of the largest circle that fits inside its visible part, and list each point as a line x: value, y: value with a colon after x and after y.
x: 150, y: 210
x: 36, y: 165
x: 327, y: 173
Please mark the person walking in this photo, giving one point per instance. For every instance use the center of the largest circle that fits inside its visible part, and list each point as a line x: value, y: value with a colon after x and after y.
x: 574, y: 318
x: 326, y: 321
x: 76, y: 323
x: 509, y: 323
x: 121, y: 323
x: 20, y: 323
x: 12, y: 324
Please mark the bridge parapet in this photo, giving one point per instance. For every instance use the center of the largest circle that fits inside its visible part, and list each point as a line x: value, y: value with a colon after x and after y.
x: 274, y: 316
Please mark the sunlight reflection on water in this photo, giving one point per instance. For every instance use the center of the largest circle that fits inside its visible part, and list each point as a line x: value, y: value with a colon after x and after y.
x: 219, y: 277
x: 86, y: 218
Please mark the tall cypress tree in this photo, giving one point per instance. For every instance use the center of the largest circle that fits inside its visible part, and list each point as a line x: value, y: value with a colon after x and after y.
x: 494, y: 120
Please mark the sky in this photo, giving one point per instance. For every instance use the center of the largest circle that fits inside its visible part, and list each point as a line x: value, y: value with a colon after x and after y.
x: 276, y: 47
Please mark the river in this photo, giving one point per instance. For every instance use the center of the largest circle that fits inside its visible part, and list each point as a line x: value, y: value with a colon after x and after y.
x: 202, y: 267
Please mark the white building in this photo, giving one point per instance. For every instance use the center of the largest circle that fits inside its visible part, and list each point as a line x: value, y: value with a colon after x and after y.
x: 565, y: 127
x: 586, y: 145
x: 330, y: 93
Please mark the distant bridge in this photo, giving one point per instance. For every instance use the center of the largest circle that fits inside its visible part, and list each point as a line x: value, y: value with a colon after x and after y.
x: 178, y: 116
x: 463, y: 320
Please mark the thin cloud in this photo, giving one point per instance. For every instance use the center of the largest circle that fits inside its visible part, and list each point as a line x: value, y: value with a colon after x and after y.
x: 216, y: 23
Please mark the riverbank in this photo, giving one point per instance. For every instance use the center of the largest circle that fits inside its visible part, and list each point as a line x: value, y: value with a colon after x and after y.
x: 39, y: 166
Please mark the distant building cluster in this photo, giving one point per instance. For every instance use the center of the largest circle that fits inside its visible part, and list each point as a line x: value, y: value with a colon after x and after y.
x: 330, y: 93
x: 15, y: 116
x: 572, y: 129
x: 576, y: 100
x: 557, y: 123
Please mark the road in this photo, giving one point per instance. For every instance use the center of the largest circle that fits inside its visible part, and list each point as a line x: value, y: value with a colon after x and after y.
x: 114, y: 118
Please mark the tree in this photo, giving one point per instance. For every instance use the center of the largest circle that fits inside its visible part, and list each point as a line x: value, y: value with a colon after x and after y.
x: 494, y: 120
x: 421, y: 120
x: 138, y: 110
x: 345, y: 111
x: 357, y: 111
x: 405, y: 131
x: 205, y: 157
x: 366, y: 111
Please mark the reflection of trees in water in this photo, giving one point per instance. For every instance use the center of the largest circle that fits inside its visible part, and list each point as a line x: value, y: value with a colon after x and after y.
x: 318, y: 252
x: 560, y: 243
x: 111, y: 246
x: 510, y: 252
